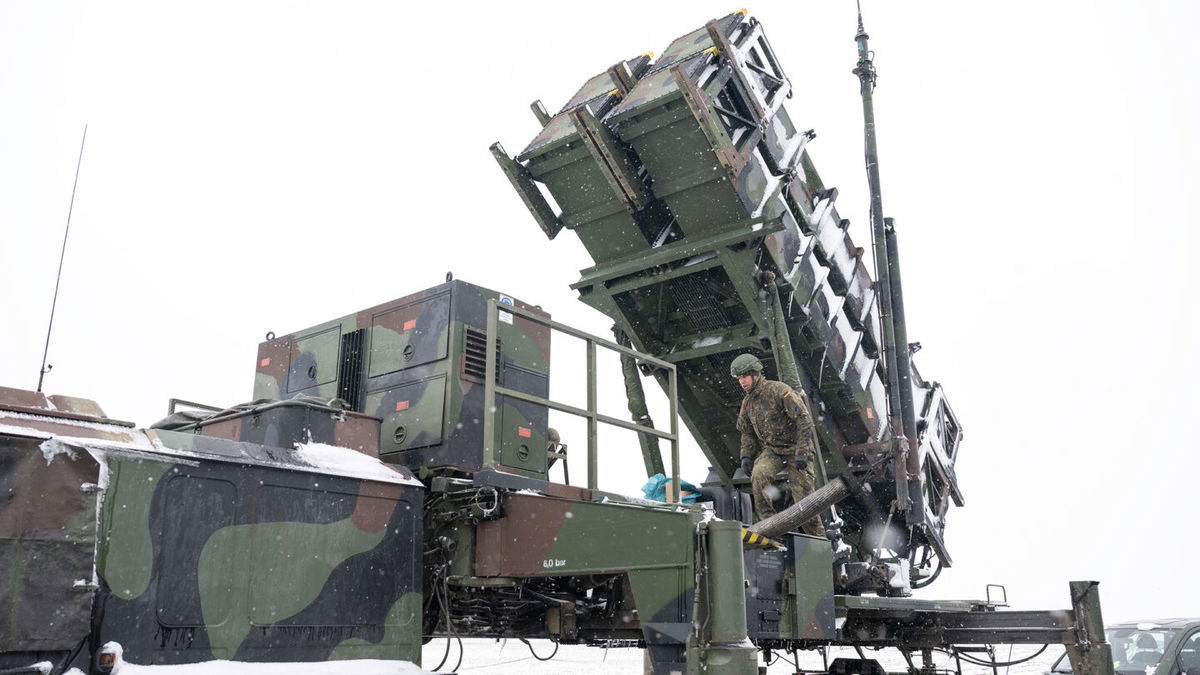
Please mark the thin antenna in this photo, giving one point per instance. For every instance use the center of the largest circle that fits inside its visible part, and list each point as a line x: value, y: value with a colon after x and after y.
x: 54, y: 303
x: 891, y: 299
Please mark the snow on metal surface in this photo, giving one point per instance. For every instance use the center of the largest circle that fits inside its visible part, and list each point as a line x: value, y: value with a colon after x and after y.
x: 334, y: 459
x: 52, y: 447
x: 317, y: 457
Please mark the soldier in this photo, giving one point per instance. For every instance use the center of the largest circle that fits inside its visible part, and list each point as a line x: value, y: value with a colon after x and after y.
x: 777, y: 437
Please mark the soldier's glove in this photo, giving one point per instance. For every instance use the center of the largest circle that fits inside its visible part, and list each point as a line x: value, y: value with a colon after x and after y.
x: 747, y: 466
x: 801, y: 462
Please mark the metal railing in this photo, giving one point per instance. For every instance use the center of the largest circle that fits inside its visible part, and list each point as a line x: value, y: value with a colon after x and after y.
x: 492, y: 389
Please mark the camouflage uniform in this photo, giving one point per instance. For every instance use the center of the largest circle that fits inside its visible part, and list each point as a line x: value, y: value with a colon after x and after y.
x: 776, y: 427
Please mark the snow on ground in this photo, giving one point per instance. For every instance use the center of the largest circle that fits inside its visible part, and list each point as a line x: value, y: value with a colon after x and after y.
x: 362, y: 667
x: 511, y: 657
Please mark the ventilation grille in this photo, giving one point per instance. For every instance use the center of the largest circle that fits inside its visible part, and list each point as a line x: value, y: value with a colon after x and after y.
x: 699, y: 303
x: 350, y: 382
x: 475, y: 355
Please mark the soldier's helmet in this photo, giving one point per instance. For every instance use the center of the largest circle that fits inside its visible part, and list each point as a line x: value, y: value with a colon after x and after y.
x: 746, y: 364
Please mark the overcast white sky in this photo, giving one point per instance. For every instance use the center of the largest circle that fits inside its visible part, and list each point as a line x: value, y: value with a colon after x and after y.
x: 255, y: 167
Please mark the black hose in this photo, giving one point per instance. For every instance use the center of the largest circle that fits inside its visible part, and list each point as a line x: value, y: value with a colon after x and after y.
x: 444, y: 656
x: 1000, y: 664
x: 926, y: 582
x: 540, y: 658
x: 776, y: 657
x: 450, y: 625
x: 443, y: 599
x: 550, y: 600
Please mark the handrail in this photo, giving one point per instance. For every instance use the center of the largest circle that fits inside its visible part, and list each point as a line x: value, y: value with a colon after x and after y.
x: 491, y: 389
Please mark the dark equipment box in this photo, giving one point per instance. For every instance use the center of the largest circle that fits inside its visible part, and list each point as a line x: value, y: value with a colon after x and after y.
x: 418, y: 364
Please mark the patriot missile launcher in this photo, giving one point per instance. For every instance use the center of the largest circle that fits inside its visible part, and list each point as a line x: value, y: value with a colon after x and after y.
x: 690, y: 185
x: 390, y: 483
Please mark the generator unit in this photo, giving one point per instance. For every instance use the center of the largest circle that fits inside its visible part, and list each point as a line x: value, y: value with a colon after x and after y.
x: 417, y: 363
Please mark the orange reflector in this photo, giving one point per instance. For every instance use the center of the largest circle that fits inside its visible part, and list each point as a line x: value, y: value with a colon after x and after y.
x: 870, y: 413
x: 410, y: 324
x: 402, y: 405
x: 264, y: 363
x: 524, y: 433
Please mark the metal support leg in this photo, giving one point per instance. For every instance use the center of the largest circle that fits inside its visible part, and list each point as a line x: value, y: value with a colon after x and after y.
x: 1091, y: 654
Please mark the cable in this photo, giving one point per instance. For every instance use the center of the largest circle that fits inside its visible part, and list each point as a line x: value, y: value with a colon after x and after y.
x: 449, y: 625
x: 777, y: 657
x: 444, y: 656
x: 925, y: 582
x: 999, y: 664
x: 540, y: 658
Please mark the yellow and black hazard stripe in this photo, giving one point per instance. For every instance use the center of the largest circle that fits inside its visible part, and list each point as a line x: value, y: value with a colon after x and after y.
x: 756, y: 540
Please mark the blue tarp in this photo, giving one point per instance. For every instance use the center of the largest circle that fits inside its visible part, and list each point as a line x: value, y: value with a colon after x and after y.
x: 656, y: 489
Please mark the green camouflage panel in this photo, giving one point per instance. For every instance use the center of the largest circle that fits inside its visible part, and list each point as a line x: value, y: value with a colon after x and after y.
x: 220, y: 561
x: 282, y: 424
x: 47, y: 543
x: 653, y: 547
x: 207, y: 547
x: 417, y: 363
x: 48, y: 521
x: 262, y: 563
x: 600, y: 93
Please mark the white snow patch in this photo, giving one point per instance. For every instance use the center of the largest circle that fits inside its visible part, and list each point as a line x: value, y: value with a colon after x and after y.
x: 708, y: 341
x: 44, y: 667
x: 347, y: 462
x: 99, y: 426
x: 356, y: 667
x: 25, y: 432
x: 52, y: 447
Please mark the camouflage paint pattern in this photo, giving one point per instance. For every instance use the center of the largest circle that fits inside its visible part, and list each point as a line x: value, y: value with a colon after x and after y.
x: 262, y: 564
x: 653, y: 547
x: 282, y: 424
x: 776, y: 429
x: 416, y: 363
x: 186, y: 548
x: 766, y: 486
x: 773, y: 418
x: 47, y: 544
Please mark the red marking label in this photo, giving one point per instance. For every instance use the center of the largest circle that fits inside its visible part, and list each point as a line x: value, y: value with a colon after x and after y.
x: 524, y: 433
x: 410, y: 324
x: 401, y: 405
x: 264, y: 363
